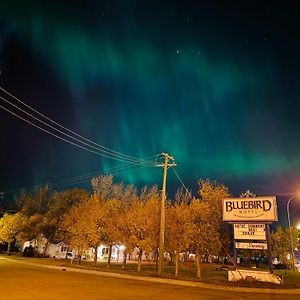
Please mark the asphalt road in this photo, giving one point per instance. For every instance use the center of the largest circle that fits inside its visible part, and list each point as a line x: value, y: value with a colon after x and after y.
x: 21, y: 281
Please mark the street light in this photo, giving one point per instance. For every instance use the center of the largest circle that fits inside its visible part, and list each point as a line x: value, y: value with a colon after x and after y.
x: 289, y: 222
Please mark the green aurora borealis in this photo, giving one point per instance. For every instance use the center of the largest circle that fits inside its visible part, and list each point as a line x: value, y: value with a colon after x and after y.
x: 213, y: 85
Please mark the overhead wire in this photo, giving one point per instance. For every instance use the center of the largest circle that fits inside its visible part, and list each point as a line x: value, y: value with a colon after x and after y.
x: 101, y: 150
x: 69, y: 130
x: 177, y: 175
x: 83, y: 179
x: 53, y: 134
x: 73, y: 143
x: 114, y: 171
x: 102, y: 153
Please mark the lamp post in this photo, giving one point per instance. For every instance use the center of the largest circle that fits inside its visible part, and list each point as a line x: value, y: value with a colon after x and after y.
x: 291, y: 236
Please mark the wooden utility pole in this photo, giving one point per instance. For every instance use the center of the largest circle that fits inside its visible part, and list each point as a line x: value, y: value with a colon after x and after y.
x: 165, y: 165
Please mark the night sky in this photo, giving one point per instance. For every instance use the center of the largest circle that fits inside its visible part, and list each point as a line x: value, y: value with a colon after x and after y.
x: 213, y: 83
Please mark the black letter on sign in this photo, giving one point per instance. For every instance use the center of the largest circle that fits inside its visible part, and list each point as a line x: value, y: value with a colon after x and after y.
x: 228, y: 206
x: 267, y: 205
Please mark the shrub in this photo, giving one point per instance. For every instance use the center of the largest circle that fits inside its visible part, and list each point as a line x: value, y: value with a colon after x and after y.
x: 29, y: 251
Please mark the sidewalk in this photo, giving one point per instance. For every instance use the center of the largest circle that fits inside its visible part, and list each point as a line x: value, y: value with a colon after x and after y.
x: 159, y: 280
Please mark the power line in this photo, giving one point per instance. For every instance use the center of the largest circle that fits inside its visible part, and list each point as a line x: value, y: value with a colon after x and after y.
x: 108, y: 155
x: 55, y: 135
x: 102, y: 148
x: 51, y: 126
x: 74, y: 139
x: 101, y: 152
x: 115, y: 171
x: 84, y: 180
x: 182, y: 182
x: 87, y: 179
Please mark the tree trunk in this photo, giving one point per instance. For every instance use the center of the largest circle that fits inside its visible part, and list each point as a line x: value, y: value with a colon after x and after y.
x: 124, y: 259
x: 95, y: 256
x: 172, y: 254
x: 198, y: 264
x: 66, y: 257
x: 177, y: 263
x: 45, y: 248
x: 156, y: 259
x: 140, y: 260
x: 109, y: 256
x: 9, y: 246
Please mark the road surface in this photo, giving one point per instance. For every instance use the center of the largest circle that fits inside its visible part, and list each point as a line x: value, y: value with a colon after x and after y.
x: 19, y: 281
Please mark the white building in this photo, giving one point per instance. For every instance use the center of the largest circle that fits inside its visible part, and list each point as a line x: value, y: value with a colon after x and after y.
x: 61, y: 250
x: 39, y: 244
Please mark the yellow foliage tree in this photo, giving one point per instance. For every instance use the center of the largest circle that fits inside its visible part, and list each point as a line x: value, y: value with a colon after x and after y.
x: 10, y: 228
x: 179, y: 230
x: 83, y: 225
x: 140, y: 223
x: 206, y: 237
x: 281, y: 244
x: 213, y: 193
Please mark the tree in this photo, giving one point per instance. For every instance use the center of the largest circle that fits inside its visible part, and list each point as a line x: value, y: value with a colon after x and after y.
x: 213, y: 192
x: 206, y: 237
x: 60, y: 202
x: 140, y: 223
x: 32, y: 227
x: 183, y: 196
x: 33, y: 203
x: 178, y: 230
x: 102, y: 185
x: 44, y: 211
x: 114, y: 197
x: 58, y: 205
x: 281, y: 244
x: 72, y: 229
x: 10, y: 228
x: 124, y: 193
x: 84, y: 226
x: 111, y: 234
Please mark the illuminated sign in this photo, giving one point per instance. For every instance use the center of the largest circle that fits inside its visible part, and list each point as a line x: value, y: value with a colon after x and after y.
x: 249, y: 231
x: 261, y: 209
x: 257, y: 246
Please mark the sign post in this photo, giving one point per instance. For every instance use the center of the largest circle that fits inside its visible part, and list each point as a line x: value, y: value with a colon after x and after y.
x: 269, y: 249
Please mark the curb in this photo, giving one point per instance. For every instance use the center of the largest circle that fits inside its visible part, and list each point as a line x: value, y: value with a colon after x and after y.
x: 160, y: 280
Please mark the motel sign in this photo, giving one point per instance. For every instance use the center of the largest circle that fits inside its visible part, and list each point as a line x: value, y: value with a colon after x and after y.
x: 259, y: 209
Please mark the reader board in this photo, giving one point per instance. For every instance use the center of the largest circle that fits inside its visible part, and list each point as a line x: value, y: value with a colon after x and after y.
x: 249, y: 231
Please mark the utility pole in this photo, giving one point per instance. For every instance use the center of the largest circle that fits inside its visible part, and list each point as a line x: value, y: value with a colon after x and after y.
x: 165, y: 165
